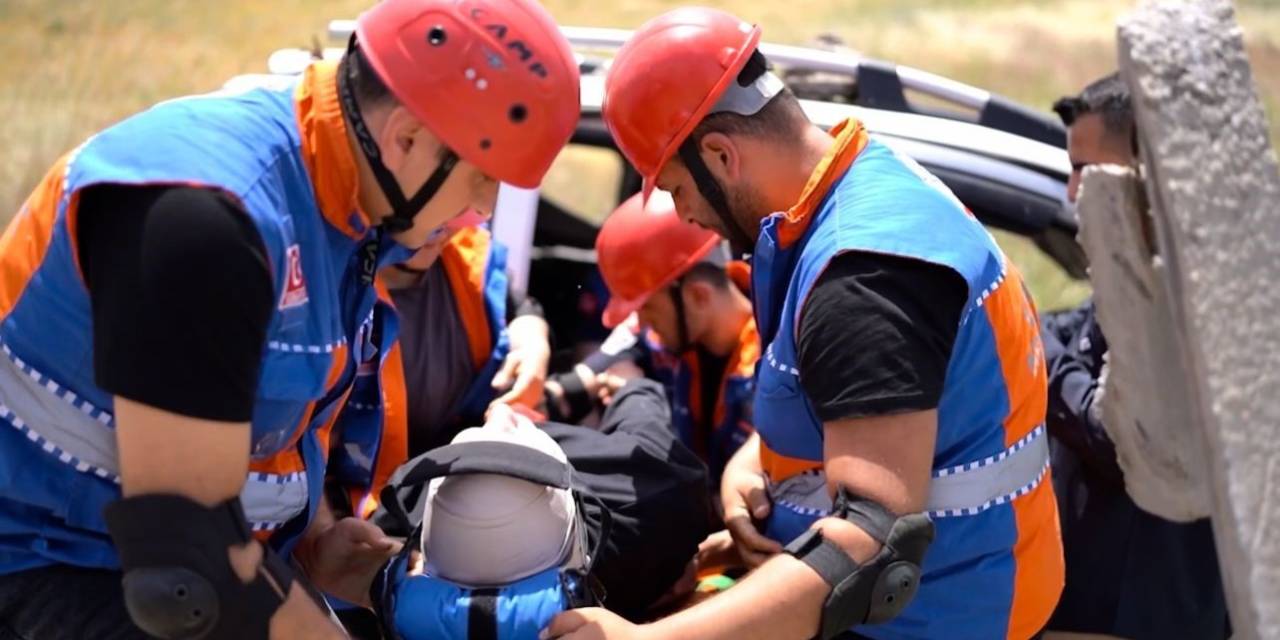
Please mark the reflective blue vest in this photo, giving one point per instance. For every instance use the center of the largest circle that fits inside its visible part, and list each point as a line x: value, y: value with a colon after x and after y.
x: 58, y: 463
x: 995, y: 569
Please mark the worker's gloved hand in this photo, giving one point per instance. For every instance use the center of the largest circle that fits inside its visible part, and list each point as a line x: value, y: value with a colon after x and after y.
x: 524, y: 372
x: 746, y: 501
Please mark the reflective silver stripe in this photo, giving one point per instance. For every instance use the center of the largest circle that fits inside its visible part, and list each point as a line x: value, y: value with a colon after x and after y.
x: 972, y: 488
x: 962, y: 490
x: 77, y: 433
x: 750, y: 99
x: 270, y: 500
x: 54, y: 414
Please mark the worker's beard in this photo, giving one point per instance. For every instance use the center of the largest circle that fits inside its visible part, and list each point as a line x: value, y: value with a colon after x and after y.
x: 746, y: 211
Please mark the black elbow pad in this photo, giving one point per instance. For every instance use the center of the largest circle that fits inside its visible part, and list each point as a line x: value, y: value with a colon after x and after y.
x: 178, y: 580
x: 879, y: 590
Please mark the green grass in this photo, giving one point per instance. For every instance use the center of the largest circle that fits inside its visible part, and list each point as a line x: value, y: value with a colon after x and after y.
x: 70, y: 67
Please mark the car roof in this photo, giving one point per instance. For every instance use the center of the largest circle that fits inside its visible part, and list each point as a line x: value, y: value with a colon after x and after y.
x: 999, y: 127
x: 1005, y: 161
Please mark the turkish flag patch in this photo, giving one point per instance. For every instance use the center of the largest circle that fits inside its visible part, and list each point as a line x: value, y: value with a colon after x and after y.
x: 295, y: 287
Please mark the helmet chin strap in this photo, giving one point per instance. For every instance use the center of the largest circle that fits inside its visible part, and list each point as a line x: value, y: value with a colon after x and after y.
x: 711, y: 191
x: 403, y: 210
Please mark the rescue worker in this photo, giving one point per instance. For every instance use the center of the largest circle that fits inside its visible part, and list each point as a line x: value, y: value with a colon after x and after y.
x: 1130, y: 573
x: 666, y: 272
x: 899, y: 452
x: 186, y: 298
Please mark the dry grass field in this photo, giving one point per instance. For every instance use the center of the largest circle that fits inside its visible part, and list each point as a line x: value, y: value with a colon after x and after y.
x: 69, y: 67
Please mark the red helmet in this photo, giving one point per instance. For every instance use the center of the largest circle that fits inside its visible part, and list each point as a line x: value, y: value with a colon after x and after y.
x: 667, y: 78
x: 494, y: 80
x: 643, y: 247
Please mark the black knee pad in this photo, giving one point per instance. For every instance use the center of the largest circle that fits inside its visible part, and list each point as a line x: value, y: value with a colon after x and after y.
x: 178, y: 580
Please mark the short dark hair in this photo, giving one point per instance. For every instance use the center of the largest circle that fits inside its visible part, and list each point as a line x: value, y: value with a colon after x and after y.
x: 710, y: 273
x: 782, y: 118
x: 1108, y: 97
x: 369, y: 89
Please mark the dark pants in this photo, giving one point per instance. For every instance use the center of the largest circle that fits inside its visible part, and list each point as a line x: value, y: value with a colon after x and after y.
x: 60, y: 601
x: 1132, y: 574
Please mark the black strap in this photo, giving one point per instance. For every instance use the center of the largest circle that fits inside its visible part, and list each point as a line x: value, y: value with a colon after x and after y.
x: 403, y: 210
x: 711, y: 191
x: 867, y: 515
x: 500, y: 458
x: 482, y: 615
x: 825, y: 557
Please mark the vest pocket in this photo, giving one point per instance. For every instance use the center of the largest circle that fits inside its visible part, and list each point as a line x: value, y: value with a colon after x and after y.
x: 287, y: 385
x: 781, y: 408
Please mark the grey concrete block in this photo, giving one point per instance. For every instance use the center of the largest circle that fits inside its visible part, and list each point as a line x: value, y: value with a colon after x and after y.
x: 1151, y: 418
x: 1214, y: 190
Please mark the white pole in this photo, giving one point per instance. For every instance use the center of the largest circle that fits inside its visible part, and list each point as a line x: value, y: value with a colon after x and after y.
x: 514, y: 218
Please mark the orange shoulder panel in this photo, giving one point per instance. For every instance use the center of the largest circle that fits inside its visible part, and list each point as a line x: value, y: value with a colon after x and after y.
x: 26, y: 240
x: 465, y: 257
x: 742, y: 364
x: 780, y: 467
x: 739, y: 273
x: 394, y: 450
x: 850, y: 139
x: 1017, y: 337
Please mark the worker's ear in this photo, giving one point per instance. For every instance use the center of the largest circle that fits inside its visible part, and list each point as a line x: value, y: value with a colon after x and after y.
x: 398, y: 134
x: 722, y: 155
x: 697, y: 293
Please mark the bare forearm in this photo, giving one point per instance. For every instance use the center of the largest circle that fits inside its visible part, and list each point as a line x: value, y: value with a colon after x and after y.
x: 779, y: 601
x: 166, y: 453
x: 748, y: 455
